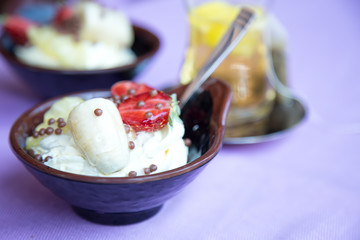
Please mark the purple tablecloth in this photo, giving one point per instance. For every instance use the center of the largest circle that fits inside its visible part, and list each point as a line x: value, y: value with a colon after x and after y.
x: 304, y: 186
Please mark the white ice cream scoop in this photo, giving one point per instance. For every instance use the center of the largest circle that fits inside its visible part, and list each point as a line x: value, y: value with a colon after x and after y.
x: 98, y: 130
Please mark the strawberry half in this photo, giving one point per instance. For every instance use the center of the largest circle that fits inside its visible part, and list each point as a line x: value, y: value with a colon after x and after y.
x: 146, y: 111
x: 128, y: 88
x: 16, y: 27
x: 63, y: 14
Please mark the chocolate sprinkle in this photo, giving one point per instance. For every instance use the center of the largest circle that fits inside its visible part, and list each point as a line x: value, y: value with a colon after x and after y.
x: 140, y: 104
x: 127, y: 128
x: 147, y: 171
x: 153, y: 167
x: 35, y: 134
x: 148, y: 115
x: 158, y: 105
x: 131, y: 145
x: 49, y: 130
x: 58, y: 131
x: 51, y: 121
x: 47, y: 158
x: 123, y: 98
x: 60, y: 119
x: 42, y: 132
x: 116, y: 99
x: 98, y: 112
x: 187, y: 142
x: 153, y: 93
x: 132, y: 174
x: 61, y: 124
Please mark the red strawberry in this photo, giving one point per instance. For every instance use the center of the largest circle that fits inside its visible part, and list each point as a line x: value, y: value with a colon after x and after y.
x: 16, y: 27
x: 146, y: 111
x: 128, y: 88
x: 63, y: 14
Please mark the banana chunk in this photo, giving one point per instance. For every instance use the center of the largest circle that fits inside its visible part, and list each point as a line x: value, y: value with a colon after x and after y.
x: 104, y: 24
x: 98, y: 130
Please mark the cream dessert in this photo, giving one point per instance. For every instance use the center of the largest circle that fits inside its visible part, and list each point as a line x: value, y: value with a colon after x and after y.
x: 85, y: 36
x: 137, y: 131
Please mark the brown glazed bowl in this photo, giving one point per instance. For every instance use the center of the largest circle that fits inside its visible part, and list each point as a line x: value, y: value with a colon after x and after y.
x: 125, y: 200
x: 54, y: 82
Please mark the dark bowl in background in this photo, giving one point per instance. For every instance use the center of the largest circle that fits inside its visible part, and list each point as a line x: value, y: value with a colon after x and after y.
x: 125, y: 200
x: 53, y: 82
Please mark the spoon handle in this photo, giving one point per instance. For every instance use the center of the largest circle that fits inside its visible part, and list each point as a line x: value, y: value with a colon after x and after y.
x: 231, y: 38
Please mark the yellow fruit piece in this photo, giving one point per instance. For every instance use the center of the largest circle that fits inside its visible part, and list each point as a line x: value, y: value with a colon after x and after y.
x: 211, y: 20
x: 60, y: 109
x: 61, y: 47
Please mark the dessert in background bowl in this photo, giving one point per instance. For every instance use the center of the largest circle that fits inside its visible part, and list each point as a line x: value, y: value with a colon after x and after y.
x: 81, y: 47
x: 129, y: 199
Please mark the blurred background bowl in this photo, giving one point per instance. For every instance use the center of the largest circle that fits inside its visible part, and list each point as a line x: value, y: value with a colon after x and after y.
x: 132, y: 199
x: 51, y: 82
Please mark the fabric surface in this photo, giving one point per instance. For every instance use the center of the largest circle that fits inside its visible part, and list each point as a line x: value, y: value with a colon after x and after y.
x: 303, y: 186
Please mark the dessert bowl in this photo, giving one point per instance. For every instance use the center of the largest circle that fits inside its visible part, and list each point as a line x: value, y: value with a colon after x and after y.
x: 52, y: 82
x: 125, y: 200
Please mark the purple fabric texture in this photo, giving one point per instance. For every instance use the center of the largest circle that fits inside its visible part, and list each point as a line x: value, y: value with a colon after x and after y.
x: 303, y: 186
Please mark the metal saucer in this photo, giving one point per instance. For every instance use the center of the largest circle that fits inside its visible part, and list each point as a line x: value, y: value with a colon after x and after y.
x: 287, y: 113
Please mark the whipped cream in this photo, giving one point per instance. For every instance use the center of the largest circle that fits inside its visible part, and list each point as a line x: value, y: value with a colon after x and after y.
x: 103, y: 41
x: 164, y: 148
x: 104, y: 151
x: 92, y: 56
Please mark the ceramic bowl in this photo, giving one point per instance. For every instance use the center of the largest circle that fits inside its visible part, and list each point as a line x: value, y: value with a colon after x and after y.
x: 51, y: 82
x: 125, y: 200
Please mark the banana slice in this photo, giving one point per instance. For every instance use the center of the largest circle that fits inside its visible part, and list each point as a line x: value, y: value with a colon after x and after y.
x: 104, y: 24
x: 97, y: 129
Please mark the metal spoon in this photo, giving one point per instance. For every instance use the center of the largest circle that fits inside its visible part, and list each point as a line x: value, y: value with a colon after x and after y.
x: 231, y: 38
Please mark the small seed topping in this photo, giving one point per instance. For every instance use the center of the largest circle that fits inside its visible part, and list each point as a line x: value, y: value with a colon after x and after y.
x: 147, y: 171
x: 158, y: 105
x: 148, y: 115
x: 98, y: 112
x: 140, y: 104
x: 58, y: 131
x: 132, y: 174
x: 131, y: 91
x: 153, y: 93
x: 51, y: 121
x: 131, y: 145
x: 153, y: 167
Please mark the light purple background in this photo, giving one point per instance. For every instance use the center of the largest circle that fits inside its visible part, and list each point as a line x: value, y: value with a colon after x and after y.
x: 304, y: 186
